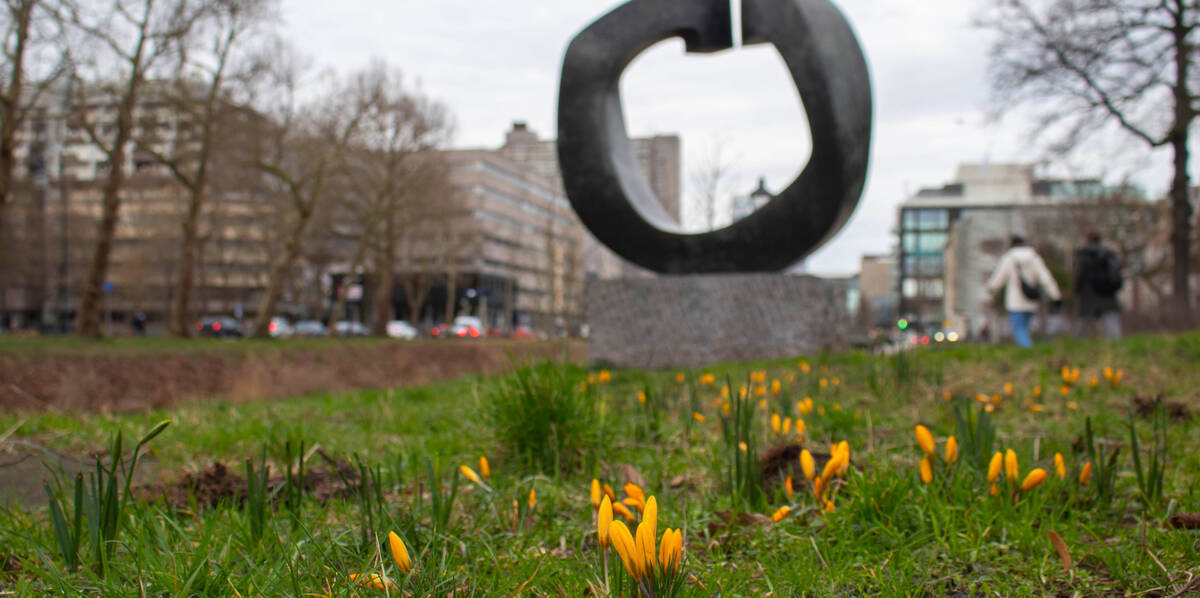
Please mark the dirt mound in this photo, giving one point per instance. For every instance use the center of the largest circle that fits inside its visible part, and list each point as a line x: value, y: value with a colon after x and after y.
x: 217, y: 484
x: 100, y: 381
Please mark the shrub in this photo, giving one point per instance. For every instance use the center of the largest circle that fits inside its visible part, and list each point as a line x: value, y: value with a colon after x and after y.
x: 543, y: 416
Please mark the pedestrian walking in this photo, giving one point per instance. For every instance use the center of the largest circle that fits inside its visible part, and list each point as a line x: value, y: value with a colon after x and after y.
x: 1026, y: 281
x: 1097, y: 281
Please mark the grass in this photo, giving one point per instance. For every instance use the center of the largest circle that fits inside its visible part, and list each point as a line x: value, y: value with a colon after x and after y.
x: 889, y: 533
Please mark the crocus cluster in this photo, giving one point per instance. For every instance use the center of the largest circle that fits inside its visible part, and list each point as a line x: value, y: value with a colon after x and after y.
x: 655, y: 572
x: 929, y: 447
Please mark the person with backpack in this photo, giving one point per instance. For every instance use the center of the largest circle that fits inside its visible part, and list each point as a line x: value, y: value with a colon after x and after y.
x: 1097, y: 281
x: 1025, y: 280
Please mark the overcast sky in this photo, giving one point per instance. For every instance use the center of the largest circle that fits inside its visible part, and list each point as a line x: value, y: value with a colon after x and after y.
x: 494, y: 63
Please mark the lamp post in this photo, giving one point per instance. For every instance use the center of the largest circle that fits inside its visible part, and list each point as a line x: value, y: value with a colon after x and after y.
x: 760, y: 196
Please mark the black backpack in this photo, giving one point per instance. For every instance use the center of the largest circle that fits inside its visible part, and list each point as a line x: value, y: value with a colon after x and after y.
x: 1106, y: 273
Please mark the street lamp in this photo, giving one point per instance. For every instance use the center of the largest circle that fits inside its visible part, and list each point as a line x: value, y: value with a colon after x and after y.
x: 760, y: 196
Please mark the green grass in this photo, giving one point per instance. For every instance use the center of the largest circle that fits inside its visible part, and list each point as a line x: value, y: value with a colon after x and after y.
x: 890, y: 534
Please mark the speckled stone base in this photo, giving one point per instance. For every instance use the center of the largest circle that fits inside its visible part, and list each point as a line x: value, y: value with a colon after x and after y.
x: 686, y: 321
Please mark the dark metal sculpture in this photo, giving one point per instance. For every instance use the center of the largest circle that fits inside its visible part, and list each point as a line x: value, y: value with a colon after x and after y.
x: 601, y: 174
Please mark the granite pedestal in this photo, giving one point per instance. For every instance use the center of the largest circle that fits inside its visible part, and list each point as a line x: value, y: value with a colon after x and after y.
x: 687, y: 321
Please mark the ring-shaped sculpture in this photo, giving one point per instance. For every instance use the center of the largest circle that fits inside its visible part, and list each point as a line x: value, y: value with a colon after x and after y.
x: 601, y: 174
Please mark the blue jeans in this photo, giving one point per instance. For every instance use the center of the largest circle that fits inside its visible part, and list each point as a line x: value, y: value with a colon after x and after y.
x: 1020, y: 321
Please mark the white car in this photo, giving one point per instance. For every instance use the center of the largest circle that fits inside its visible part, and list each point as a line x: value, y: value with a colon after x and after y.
x: 280, y: 328
x: 466, y: 327
x: 401, y: 329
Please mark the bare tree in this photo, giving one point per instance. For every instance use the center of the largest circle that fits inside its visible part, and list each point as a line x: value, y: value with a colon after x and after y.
x: 711, y: 183
x: 130, y: 37
x: 301, y: 155
x: 24, y: 83
x: 1094, y: 65
x: 208, y: 65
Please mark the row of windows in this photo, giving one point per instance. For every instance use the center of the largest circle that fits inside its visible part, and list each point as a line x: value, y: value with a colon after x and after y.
x: 524, y: 206
x: 925, y: 243
x: 933, y: 265
x: 534, y: 189
x: 925, y: 219
x: 913, y: 288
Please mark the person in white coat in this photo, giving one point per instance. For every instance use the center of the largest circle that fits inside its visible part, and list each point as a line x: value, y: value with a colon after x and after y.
x: 1019, y: 263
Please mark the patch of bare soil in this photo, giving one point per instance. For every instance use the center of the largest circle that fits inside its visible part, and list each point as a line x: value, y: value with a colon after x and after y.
x: 217, y: 484
x: 133, y: 382
x: 1176, y: 410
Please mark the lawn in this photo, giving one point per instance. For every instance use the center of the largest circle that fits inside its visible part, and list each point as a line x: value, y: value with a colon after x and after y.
x: 313, y: 485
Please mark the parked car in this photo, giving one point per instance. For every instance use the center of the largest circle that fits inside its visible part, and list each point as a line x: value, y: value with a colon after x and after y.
x: 521, y: 332
x: 309, y: 328
x: 440, y: 331
x: 466, y: 327
x: 280, y: 328
x: 401, y: 329
x: 219, y: 326
x: 347, y: 328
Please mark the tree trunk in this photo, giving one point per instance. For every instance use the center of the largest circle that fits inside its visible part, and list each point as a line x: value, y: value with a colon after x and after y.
x: 416, y: 288
x: 383, y: 291
x: 340, y: 305
x: 1181, y: 207
x: 22, y: 16
x: 279, y: 273
x: 1181, y: 229
x: 89, y: 309
x: 178, y: 324
x: 451, y: 291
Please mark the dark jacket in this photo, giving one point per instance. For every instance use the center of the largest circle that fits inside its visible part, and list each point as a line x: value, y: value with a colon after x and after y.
x: 1090, y: 260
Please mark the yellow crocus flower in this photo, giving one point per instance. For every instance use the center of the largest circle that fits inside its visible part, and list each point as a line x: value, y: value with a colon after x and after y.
x: 742, y: 447
x: 776, y: 386
x: 995, y: 466
x: 1037, y: 390
x: 787, y: 485
x: 471, y: 475
x: 374, y: 581
x: 824, y: 383
x: 485, y: 468
x: 925, y: 440
x: 800, y: 427
x: 650, y: 515
x: 399, y: 552
x: 807, y: 465
x: 623, y: 543
x: 608, y: 491
x: 829, y: 508
x: 604, y: 519
x: 707, y: 379
x: 643, y: 547
x: 818, y: 488
x: 1011, y: 471
x: 596, y: 494
x: 1060, y: 468
x: 787, y: 426
x: 635, y: 502
x: 604, y: 376
x: 679, y: 377
x: 698, y: 416
x: 1033, y: 480
x: 635, y: 491
x: 926, y: 469
x: 951, y: 450
x: 623, y: 511
x: 1085, y: 474
x: 670, y: 553
x: 1008, y: 388
x: 532, y: 497
x: 993, y: 490
x: 1108, y: 373
x: 780, y: 513
x: 776, y: 423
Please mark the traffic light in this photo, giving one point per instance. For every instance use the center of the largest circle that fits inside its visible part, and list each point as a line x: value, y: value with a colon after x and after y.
x: 902, y: 324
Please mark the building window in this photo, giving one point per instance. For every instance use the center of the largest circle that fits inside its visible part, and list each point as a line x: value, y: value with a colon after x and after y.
x: 909, y: 288
x: 932, y: 289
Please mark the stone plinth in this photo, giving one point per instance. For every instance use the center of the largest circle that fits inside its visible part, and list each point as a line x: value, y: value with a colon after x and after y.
x: 684, y: 321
